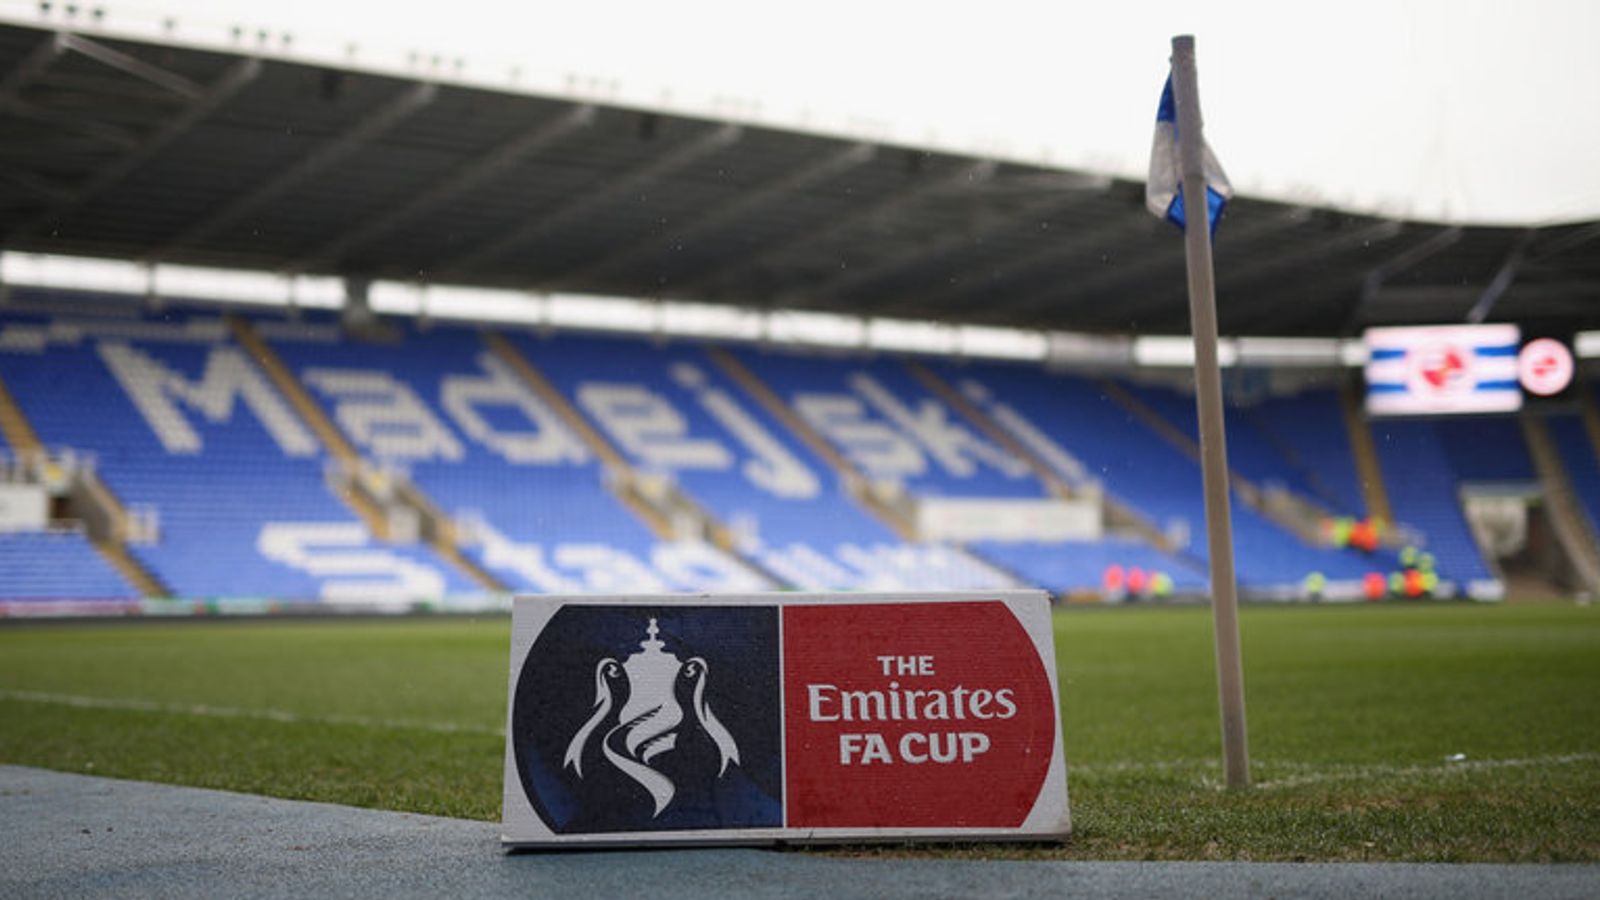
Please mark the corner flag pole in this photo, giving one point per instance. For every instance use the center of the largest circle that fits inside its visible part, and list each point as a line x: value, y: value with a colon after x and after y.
x: 1208, y: 401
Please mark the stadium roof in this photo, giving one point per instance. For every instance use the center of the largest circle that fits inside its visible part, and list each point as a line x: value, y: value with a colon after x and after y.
x: 167, y: 153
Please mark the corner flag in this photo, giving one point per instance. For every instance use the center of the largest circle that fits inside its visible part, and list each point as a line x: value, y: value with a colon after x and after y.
x: 1182, y: 166
x: 1163, y: 191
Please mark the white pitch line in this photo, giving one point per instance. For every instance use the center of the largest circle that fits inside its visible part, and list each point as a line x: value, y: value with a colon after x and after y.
x: 1347, y: 773
x: 1315, y: 773
x: 230, y: 712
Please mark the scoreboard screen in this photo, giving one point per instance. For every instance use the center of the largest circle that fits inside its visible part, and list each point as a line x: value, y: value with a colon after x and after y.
x: 1462, y: 369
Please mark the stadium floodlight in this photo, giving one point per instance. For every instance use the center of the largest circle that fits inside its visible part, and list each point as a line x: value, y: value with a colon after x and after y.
x: 395, y: 298
x: 910, y: 336
x: 74, y: 273
x: 818, y: 329
x: 710, y: 320
x: 1353, y: 353
x: 601, y: 313
x: 225, y: 285
x: 1164, y: 351
x: 474, y: 304
x: 1288, y: 352
x: 1067, y: 348
x: 316, y: 291
x: 1000, y: 343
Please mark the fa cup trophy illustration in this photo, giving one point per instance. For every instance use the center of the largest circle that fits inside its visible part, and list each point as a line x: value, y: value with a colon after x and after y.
x: 651, y: 719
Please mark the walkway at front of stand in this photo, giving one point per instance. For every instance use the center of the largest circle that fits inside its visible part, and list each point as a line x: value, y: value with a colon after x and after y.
x: 77, y: 836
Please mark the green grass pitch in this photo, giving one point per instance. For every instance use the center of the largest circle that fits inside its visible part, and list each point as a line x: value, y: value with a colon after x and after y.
x: 1385, y: 732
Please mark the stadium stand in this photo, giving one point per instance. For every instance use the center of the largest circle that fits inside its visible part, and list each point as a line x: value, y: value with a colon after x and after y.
x: 1425, y: 497
x: 52, y: 565
x: 1582, y: 460
x: 892, y: 428
x: 1260, y: 455
x: 648, y: 465
x: 40, y: 565
x: 674, y: 412
x: 1309, y: 431
x: 439, y: 408
x: 1085, y: 567
x: 1485, y: 449
x: 179, y: 420
x: 1152, y: 476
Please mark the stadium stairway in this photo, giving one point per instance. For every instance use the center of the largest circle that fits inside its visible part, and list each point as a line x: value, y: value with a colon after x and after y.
x: 857, y: 483
x: 1292, y: 510
x: 1581, y: 458
x: 1365, y: 453
x: 1589, y: 409
x: 1424, y: 487
x: 109, y: 531
x: 1567, y: 517
x: 367, y: 493
x: 1058, y: 465
x: 681, y: 420
x: 880, y: 418
x: 14, y: 427
x: 104, y: 515
x: 1104, y: 441
x: 659, y: 505
x: 990, y: 429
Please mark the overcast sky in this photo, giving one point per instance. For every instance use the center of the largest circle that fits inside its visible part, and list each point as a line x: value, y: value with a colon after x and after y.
x: 1466, y: 110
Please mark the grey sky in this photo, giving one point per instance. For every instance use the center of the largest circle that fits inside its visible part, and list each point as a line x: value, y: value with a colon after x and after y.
x: 1471, y: 110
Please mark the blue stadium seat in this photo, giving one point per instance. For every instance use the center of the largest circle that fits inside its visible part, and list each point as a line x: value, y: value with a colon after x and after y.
x: 734, y: 458
x: 488, y: 451
x: 1152, y: 476
x: 1309, y: 428
x: 1080, y: 566
x: 874, y: 393
x: 57, y: 566
x: 1422, y: 485
x: 1582, y: 461
x: 186, y: 425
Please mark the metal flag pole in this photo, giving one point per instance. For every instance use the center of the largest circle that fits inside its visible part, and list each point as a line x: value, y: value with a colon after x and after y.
x: 1208, y: 401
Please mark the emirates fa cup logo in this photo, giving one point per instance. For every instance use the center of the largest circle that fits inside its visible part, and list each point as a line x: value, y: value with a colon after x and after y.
x: 651, y: 718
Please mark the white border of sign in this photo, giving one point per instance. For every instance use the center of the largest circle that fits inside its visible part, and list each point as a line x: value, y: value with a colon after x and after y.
x: 1050, y: 818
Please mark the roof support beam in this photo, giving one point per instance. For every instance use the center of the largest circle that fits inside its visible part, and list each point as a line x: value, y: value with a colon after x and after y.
x: 718, y: 216
x: 1265, y: 267
x: 1052, y: 252
x: 1113, y: 282
x: 28, y: 69
x: 464, y: 179
x: 829, y: 293
x: 1273, y: 307
x: 1502, y: 279
x: 1569, y: 241
x: 37, y: 60
x: 138, y: 68
x: 1408, y: 258
x: 885, y: 207
x: 566, y: 213
x: 35, y: 184
x: 1446, y: 303
x: 229, y: 83
x: 120, y: 138
x: 353, y: 138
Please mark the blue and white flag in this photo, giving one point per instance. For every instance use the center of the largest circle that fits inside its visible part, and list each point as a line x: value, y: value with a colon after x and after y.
x: 1163, y: 192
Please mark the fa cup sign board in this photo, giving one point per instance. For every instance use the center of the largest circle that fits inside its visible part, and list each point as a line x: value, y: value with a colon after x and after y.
x: 708, y: 719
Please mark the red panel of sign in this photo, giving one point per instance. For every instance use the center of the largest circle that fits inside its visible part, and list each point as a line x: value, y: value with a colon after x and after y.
x: 913, y: 716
